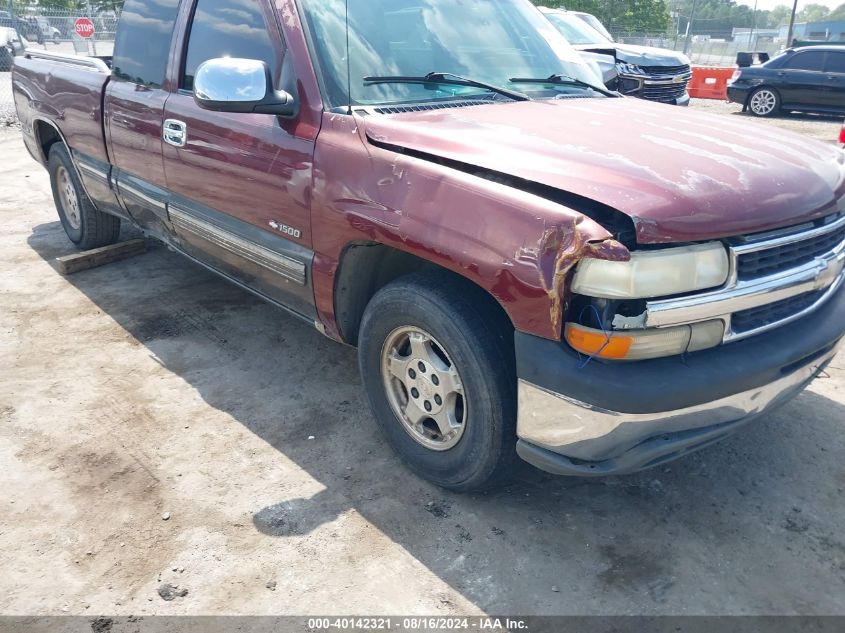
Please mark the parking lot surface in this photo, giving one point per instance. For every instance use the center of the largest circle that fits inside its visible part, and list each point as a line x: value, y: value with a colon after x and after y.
x: 162, y: 427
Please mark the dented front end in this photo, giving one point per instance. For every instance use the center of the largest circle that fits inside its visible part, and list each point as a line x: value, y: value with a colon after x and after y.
x: 561, y: 248
x: 584, y: 292
x: 515, y: 239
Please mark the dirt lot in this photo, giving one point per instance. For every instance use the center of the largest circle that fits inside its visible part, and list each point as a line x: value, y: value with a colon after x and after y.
x: 150, y: 388
x: 821, y: 127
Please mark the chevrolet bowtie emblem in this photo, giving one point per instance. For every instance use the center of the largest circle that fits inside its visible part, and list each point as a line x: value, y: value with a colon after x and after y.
x: 828, y: 274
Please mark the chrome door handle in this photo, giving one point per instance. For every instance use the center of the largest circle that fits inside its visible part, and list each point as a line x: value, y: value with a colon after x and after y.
x: 175, y: 132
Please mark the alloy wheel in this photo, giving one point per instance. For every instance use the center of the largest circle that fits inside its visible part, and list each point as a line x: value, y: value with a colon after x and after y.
x: 424, y: 388
x: 763, y: 102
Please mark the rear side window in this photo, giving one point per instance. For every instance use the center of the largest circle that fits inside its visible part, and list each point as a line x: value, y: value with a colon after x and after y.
x: 810, y: 60
x: 143, y: 41
x: 835, y: 63
x: 229, y: 28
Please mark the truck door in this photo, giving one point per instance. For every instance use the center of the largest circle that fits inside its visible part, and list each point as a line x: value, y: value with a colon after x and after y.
x: 134, y: 106
x: 240, y: 183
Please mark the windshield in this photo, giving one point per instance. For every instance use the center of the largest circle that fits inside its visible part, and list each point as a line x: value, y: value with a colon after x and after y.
x: 575, y: 30
x: 594, y: 22
x: 483, y: 40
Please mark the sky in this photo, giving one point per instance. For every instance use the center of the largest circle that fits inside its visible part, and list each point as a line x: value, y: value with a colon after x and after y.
x: 768, y: 4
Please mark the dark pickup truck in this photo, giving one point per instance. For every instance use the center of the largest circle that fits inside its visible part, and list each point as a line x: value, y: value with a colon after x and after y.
x: 528, y: 265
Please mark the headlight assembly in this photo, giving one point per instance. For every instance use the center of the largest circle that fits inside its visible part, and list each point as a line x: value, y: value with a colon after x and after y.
x: 656, y: 273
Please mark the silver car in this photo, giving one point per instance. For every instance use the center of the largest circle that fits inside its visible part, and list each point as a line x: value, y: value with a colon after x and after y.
x: 647, y: 72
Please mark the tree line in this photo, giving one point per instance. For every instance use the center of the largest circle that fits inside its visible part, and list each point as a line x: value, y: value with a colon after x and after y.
x: 712, y: 17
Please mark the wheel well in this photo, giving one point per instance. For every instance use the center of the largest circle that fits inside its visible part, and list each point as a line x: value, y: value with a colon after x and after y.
x: 367, y: 267
x: 46, y: 135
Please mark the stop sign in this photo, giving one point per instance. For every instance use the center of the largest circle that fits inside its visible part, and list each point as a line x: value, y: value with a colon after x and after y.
x: 84, y: 27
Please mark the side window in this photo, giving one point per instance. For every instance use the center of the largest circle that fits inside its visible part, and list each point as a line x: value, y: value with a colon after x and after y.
x: 229, y: 28
x: 143, y: 41
x: 835, y: 63
x: 809, y: 60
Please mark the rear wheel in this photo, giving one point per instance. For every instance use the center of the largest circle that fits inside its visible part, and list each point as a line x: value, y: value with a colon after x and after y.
x: 84, y: 225
x: 438, y: 371
x: 764, y: 102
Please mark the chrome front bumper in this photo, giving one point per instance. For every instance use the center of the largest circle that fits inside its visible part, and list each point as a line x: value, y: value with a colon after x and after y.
x: 564, y: 436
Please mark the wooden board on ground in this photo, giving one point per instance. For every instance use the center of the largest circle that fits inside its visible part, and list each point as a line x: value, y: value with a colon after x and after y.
x: 69, y: 264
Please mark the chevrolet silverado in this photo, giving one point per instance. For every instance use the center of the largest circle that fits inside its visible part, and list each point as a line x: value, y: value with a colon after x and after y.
x: 529, y: 265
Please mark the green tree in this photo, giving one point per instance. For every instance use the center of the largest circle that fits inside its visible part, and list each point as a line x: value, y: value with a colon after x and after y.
x: 107, y: 5
x: 620, y: 15
x: 812, y: 13
x: 779, y: 16
x: 838, y: 13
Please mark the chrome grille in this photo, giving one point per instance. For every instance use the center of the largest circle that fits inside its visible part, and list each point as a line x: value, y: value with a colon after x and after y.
x: 666, y: 70
x: 776, y: 278
x: 763, y: 316
x: 781, y: 258
x: 669, y: 92
x: 659, y: 83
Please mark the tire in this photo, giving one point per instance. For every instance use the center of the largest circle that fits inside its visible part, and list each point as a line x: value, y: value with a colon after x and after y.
x: 470, y: 348
x: 764, y: 102
x: 84, y: 225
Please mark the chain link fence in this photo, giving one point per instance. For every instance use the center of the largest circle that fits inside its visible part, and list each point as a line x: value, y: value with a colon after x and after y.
x: 53, y: 30
x: 706, y: 50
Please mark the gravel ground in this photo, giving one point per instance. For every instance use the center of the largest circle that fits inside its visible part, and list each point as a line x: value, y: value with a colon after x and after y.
x: 817, y: 126
x: 171, y: 445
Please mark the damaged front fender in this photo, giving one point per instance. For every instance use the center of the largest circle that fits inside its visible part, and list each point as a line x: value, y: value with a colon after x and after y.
x: 515, y: 244
x: 561, y: 248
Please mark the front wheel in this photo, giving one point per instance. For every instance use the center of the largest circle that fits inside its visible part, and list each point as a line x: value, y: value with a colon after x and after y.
x: 439, y: 375
x: 764, y: 102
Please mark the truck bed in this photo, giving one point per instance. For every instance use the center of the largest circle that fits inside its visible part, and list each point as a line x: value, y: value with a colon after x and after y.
x: 65, y: 91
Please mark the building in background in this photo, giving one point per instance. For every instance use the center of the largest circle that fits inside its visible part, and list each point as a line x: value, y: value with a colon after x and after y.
x: 825, y: 31
x: 753, y: 38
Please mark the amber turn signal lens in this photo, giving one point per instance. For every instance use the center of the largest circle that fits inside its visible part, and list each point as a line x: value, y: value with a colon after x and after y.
x: 645, y: 343
x: 597, y: 343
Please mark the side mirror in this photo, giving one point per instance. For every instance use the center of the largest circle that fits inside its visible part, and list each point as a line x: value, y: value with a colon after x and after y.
x: 229, y: 84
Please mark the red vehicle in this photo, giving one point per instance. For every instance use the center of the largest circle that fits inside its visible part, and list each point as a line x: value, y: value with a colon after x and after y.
x: 527, y: 264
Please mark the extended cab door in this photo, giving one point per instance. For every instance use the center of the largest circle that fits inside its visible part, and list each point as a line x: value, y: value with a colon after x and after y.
x: 134, y: 106
x: 801, y: 81
x: 240, y: 183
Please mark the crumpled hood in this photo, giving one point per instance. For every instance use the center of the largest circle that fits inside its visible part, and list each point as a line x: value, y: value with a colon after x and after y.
x: 639, y: 55
x: 681, y: 175
x: 650, y: 56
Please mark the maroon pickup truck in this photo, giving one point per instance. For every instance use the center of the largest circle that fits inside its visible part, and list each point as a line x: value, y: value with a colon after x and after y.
x: 528, y: 265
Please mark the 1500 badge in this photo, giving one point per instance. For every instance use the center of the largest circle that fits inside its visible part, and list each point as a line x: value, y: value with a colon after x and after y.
x: 287, y: 230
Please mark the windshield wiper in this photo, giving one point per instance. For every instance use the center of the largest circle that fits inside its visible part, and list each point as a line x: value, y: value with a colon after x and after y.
x: 562, y: 80
x: 449, y: 79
